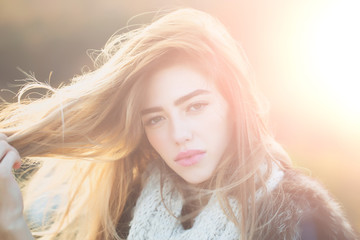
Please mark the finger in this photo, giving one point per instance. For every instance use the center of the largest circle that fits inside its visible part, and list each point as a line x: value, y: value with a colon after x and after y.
x: 9, y: 161
x: 4, y: 148
x: 3, y: 137
x: 18, y: 162
x: 17, y: 165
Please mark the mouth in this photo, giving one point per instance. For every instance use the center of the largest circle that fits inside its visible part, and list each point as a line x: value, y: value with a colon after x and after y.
x: 189, y: 157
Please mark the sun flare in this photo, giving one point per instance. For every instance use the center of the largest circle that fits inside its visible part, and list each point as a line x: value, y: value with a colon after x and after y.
x: 335, y: 55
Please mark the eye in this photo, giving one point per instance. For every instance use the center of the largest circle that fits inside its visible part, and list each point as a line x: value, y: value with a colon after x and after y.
x: 196, y: 107
x: 154, y: 120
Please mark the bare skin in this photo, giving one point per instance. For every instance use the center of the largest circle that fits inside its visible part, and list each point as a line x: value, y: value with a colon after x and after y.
x: 12, y: 222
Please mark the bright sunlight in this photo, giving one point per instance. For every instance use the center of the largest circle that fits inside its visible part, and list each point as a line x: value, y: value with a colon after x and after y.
x: 334, y: 43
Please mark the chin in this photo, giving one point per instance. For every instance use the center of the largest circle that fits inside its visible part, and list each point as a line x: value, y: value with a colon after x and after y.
x: 197, y: 179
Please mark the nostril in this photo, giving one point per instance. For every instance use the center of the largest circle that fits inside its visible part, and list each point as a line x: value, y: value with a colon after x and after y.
x: 183, y: 137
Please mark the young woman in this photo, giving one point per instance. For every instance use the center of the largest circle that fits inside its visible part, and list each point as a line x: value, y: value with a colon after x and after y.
x: 165, y: 139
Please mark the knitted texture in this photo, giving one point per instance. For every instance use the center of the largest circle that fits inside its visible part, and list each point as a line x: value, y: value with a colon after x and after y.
x: 153, y: 221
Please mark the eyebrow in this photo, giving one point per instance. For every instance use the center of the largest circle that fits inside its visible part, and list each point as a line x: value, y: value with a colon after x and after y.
x: 177, y: 101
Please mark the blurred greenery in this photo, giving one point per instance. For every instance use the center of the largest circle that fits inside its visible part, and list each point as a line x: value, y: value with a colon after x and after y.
x: 53, y: 36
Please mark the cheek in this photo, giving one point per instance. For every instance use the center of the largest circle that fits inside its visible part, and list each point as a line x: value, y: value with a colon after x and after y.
x: 220, y: 126
x: 157, y: 141
x: 222, y: 135
x: 217, y: 119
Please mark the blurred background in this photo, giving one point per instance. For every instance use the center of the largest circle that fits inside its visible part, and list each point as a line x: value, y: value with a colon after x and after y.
x: 305, y: 54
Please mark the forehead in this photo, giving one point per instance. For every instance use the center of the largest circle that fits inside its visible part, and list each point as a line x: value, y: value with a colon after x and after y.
x: 173, y: 82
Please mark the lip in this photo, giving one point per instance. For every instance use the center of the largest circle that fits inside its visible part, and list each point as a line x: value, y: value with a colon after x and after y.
x: 189, y: 157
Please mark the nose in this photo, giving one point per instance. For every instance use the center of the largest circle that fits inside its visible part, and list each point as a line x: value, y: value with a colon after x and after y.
x: 181, y: 131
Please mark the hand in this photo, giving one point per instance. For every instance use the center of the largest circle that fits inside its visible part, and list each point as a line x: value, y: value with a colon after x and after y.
x: 12, y: 223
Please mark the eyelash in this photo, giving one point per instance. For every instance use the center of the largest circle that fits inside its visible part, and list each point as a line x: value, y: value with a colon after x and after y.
x: 198, y: 107
x: 151, y: 122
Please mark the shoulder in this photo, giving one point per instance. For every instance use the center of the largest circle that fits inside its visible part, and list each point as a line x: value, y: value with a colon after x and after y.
x: 300, y: 208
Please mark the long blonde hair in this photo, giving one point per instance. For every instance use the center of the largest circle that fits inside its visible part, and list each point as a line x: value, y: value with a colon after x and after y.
x: 90, y: 139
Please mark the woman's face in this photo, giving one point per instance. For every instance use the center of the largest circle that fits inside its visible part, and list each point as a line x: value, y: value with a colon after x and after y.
x: 186, y: 121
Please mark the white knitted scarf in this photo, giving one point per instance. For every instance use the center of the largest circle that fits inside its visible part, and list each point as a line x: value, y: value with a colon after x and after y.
x: 152, y: 221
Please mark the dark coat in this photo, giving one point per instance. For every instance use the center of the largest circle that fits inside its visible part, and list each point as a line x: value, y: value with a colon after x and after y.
x: 301, y: 209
